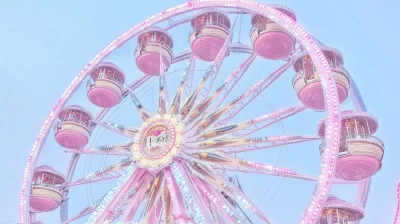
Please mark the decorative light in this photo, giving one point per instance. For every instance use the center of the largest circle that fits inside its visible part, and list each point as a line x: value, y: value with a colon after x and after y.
x: 111, y: 194
x: 187, y: 196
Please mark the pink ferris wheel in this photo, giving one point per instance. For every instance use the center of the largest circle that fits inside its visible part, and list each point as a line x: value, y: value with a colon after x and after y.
x: 193, y: 148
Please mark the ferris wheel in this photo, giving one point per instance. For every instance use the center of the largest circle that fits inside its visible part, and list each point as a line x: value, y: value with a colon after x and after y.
x: 178, y: 149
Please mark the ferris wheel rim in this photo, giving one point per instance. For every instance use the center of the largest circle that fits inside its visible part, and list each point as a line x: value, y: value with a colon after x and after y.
x: 332, y: 104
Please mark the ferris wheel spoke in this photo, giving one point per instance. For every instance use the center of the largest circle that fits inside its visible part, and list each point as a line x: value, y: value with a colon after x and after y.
x: 157, y: 213
x: 265, y: 171
x: 243, y: 100
x: 154, y: 195
x: 192, y: 203
x: 224, y: 162
x: 135, y: 200
x: 117, y: 196
x: 223, y: 90
x: 274, y: 142
x: 213, y: 70
x: 166, y: 200
x: 185, y: 87
x: 86, y: 211
x: 109, y: 172
x: 117, y: 149
x: 127, y: 132
x: 163, y: 99
x: 208, y: 79
x: 224, y: 114
x: 123, y: 206
x: 233, y: 192
x: 175, y: 197
x: 249, y: 127
x: 198, y: 199
x: 134, y: 85
x: 220, y: 202
x: 143, y: 112
x: 246, y: 142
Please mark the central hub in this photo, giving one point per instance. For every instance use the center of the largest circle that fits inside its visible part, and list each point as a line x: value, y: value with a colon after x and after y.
x: 157, y: 141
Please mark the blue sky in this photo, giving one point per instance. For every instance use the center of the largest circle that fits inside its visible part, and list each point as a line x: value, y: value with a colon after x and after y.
x: 43, y: 45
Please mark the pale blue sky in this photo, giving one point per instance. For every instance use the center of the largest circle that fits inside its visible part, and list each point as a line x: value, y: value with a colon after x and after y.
x: 44, y: 44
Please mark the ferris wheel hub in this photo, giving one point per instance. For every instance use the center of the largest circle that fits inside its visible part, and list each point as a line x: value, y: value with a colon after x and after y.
x: 158, y: 141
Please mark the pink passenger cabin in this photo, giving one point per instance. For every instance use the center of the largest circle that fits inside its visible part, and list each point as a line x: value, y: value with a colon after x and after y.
x: 154, y: 54
x: 210, y: 30
x: 307, y: 84
x: 360, y: 153
x: 74, y: 128
x: 338, y: 211
x: 46, y: 189
x: 105, y: 88
x: 270, y: 40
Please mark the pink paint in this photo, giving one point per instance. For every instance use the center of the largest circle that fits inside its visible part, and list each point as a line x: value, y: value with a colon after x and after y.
x: 149, y: 63
x: 43, y: 203
x: 207, y: 47
x: 357, y: 167
x: 157, y: 132
x: 313, y: 97
x: 156, y: 213
x: 103, y: 97
x: 212, y: 196
x: 273, y: 45
x: 178, y: 208
x: 71, y: 140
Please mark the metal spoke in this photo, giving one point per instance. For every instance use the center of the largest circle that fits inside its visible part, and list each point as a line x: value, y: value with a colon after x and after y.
x: 197, y: 198
x: 185, y: 87
x: 136, y: 199
x: 133, y: 86
x: 143, y: 112
x: 179, y: 211
x: 89, y: 209
x: 274, y: 142
x: 246, y: 142
x: 154, y: 194
x: 218, y: 96
x: 213, y: 70
x: 163, y: 99
x: 220, y: 202
x: 219, y: 182
x: 224, y: 162
x: 208, y: 79
x: 249, y: 127
x: 118, y: 197
x: 117, y: 149
x: 224, y: 114
x: 166, y: 200
x: 127, y: 132
x: 109, y: 172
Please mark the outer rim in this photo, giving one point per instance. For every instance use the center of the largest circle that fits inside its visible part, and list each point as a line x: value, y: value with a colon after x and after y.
x: 329, y: 156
